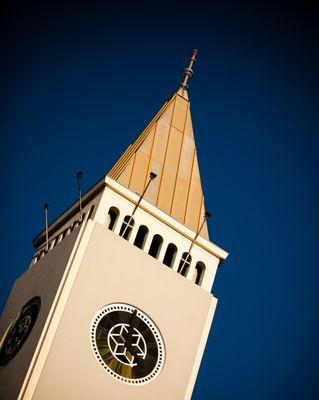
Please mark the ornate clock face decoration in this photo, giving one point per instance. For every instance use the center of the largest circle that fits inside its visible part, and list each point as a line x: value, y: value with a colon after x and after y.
x: 19, y: 330
x: 127, y: 343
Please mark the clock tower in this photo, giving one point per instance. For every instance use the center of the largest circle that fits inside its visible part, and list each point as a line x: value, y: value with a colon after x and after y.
x: 116, y: 303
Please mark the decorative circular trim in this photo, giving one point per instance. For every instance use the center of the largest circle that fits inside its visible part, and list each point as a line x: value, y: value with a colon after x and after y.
x: 159, y: 340
x: 19, y: 330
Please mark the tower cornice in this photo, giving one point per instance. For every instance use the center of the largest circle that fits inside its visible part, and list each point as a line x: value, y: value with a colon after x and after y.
x: 178, y: 227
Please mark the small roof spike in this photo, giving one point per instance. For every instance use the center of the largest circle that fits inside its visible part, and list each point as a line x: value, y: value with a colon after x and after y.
x: 188, y: 72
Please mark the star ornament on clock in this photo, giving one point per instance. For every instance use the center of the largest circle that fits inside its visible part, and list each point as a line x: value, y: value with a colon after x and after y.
x: 117, y: 344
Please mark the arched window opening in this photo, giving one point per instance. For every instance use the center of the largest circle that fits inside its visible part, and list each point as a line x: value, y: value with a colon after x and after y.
x: 82, y: 217
x: 155, y: 246
x: 52, y: 243
x: 141, y: 237
x: 113, y: 216
x: 184, y: 264
x: 127, y: 227
x: 75, y: 224
x: 170, y: 255
x: 60, y: 237
x: 199, y: 272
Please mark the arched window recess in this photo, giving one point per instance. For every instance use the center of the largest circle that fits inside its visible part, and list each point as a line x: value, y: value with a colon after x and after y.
x: 127, y: 226
x: 156, y: 245
x: 170, y: 255
x: 141, y: 237
x: 199, y: 272
x: 184, y: 264
x: 112, y: 218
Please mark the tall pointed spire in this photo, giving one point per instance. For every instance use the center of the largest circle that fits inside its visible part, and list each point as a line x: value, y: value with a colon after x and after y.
x: 167, y: 148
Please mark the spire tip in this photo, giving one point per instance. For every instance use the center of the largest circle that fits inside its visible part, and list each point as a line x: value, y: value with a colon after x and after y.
x: 188, y: 71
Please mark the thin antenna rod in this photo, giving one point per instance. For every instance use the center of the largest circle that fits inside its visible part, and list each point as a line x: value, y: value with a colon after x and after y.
x: 79, y: 176
x: 128, y: 223
x: 206, y: 216
x: 188, y: 71
x: 46, y: 210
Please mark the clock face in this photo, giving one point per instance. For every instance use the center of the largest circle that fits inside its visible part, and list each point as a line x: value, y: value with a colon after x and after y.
x: 19, y: 330
x: 127, y: 343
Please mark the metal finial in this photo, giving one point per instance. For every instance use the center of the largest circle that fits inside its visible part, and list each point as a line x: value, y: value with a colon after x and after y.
x: 46, y: 210
x: 153, y: 175
x: 128, y: 223
x: 79, y: 176
x: 188, y: 72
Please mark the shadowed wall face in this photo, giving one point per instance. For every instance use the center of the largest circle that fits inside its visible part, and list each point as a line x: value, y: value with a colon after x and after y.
x: 41, y: 280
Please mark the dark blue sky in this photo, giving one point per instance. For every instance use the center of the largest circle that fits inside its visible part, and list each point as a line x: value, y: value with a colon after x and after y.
x: 80, y: 81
